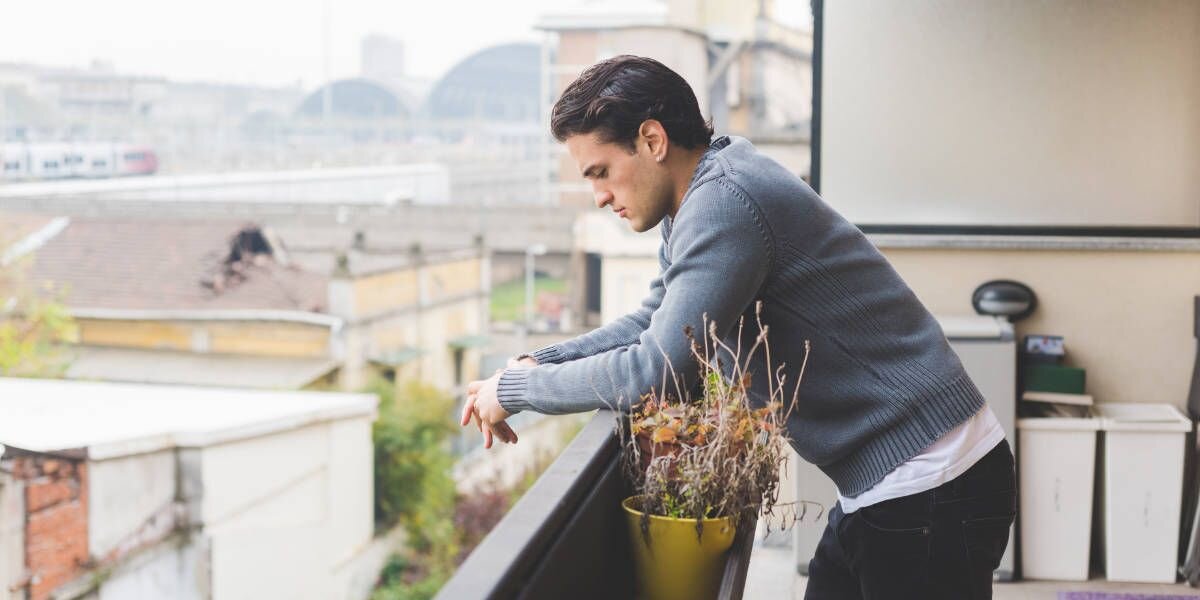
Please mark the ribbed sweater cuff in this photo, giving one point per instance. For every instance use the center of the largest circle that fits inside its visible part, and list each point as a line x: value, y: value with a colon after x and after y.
x: 511, y: 390
x: 551, y: 354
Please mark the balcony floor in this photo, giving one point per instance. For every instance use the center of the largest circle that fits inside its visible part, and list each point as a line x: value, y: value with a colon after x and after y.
x: 773, y: 574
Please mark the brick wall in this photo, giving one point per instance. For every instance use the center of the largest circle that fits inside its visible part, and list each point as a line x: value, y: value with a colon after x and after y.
x: 56, y: 527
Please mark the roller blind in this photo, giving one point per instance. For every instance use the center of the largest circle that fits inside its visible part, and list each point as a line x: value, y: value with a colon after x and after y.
x: 1011, y: 112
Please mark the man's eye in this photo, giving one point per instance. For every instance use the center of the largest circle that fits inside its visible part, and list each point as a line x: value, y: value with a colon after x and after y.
x: 601, y: 174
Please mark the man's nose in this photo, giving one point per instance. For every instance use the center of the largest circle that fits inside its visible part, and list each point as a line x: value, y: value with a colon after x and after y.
x: 603, y: 199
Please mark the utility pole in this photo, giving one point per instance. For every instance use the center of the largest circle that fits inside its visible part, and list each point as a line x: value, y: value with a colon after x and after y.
x: 527, y: 325
x: 326, y: 35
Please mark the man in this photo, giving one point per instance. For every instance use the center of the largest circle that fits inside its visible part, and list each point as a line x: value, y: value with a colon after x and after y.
x: 924, y: 475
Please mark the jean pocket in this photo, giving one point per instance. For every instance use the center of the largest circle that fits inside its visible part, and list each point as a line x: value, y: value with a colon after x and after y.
x: 889, y: 547
x: 985, y: 539
x: 892, y: 517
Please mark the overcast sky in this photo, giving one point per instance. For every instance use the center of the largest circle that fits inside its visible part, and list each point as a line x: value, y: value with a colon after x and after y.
x: 255, y: 41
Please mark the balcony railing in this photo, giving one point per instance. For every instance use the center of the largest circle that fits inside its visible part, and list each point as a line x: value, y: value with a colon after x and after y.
x: 567, y: 536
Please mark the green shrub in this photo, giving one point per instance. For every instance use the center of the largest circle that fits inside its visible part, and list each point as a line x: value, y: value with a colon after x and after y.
x: 402, y: 579
x: 413, y: 486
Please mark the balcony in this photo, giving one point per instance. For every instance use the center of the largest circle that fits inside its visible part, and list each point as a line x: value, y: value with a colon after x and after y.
x: 567, y: 537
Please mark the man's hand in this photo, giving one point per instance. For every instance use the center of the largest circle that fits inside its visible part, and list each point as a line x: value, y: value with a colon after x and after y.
x: 483, y: 404
x: 526, y: 361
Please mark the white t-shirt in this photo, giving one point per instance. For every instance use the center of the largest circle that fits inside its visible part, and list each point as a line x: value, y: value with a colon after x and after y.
x: 942, y: 461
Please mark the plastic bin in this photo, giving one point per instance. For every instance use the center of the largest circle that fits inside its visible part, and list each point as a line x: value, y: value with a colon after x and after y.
x: 1144, y: 447
x: 1057, y: 460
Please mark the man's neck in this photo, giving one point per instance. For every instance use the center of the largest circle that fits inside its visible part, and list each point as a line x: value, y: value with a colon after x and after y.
x: 684, y: 170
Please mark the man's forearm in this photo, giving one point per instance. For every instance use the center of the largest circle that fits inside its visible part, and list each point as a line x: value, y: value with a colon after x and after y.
x: 620, y: 333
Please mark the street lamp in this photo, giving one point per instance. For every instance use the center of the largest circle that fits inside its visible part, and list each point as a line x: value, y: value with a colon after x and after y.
x: 530, y: 252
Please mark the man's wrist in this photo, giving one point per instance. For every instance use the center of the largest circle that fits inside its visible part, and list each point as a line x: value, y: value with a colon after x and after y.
x: 551, y: 354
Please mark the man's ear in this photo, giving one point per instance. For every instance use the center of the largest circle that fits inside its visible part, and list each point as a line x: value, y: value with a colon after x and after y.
x: 654, y: 138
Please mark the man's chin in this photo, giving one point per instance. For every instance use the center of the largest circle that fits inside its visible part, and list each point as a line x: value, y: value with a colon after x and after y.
x: 641, y: 226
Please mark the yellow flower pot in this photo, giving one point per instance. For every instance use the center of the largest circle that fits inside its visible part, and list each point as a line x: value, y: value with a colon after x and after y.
x: 672, y: 564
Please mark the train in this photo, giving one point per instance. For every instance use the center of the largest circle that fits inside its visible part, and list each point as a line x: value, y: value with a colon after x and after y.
x: 29, y: 161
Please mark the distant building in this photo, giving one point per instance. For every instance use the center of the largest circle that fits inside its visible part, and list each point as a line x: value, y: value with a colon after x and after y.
x: 358, y: 98
x: 615, y: 267
x: 138, y: 491
x: 226, y: 303
x: 360, y: 187
x: 194, y: 126
x: 495, y: 84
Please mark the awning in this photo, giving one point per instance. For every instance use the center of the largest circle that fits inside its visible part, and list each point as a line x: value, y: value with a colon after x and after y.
x: 396, y: 358
x: 469, y: 341
x: 187, y: 368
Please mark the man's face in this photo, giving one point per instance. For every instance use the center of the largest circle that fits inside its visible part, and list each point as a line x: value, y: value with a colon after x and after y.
x: 635, y: 186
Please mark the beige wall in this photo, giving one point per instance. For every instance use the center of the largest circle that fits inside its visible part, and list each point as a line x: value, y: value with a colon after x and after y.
x: 1126, y: 315
x: 451, y: 279
x: 260, y: 338
x: 452, y: 303
x: 1014, y: 112
x: 384, y: 291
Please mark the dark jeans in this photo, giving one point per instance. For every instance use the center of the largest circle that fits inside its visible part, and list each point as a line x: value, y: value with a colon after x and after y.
x: 943, y: 543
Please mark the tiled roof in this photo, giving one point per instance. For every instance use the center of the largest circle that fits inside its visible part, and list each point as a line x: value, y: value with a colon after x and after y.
x: 180, y: 264
x: 16, y: 226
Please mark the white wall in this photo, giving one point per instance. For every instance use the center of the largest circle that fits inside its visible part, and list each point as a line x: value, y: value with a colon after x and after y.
x: 351, y: 488
x: 1012, y: 112
x: 624, y: 283
x: 282, y: 515
x: 173, y: 570
x: 286, y: 512
x: 123, y: 493
x: 12, y: 535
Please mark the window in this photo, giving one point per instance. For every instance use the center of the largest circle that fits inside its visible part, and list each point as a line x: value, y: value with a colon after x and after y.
x: 458, y: 366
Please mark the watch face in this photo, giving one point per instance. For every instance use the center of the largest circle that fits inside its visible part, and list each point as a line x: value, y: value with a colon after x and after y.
x: 1044, y: 344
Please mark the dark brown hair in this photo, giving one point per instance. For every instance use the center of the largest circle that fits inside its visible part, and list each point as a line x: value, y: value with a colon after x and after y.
x: 614, y: 97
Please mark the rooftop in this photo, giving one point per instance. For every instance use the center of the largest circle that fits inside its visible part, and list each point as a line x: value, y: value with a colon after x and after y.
x: 194, y: 265
x: 106, y: 420
x: 177, y: 264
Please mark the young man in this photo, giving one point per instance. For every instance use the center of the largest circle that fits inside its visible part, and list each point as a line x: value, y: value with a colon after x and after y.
x: 924, y: 476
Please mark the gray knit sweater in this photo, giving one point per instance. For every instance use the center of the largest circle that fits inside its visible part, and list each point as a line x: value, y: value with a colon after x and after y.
x: 882, y: 382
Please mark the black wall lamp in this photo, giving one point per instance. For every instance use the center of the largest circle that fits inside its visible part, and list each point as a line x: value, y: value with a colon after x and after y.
x: 1004, y: 298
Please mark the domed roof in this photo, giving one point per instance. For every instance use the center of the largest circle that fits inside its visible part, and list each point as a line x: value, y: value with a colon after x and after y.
x: 355, y: 98
x: 497, y: 83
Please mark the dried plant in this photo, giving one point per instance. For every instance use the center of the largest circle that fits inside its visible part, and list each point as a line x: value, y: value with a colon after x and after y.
x: 717, y: 455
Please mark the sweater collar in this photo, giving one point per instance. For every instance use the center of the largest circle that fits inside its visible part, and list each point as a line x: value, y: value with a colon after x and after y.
x: 710, y: 154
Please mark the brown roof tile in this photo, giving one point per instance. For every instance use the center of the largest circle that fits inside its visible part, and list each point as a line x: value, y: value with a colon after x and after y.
x: 168, y: 264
